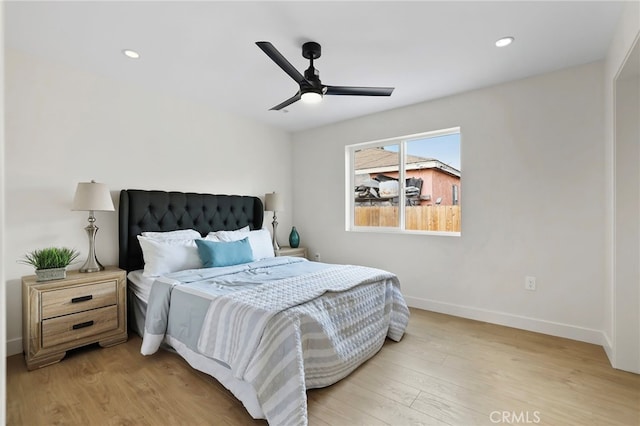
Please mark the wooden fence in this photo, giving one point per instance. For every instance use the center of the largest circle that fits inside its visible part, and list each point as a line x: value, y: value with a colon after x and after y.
x: 420, y: 218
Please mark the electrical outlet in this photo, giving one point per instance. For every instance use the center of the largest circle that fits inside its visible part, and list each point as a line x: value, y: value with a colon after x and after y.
x: 530, y: 283
x: 316, y: 257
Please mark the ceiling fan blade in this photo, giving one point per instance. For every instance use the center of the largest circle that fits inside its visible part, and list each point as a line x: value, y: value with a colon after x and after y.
x: 359, y: 91
x: 281, y: 61
x: 286, y: 103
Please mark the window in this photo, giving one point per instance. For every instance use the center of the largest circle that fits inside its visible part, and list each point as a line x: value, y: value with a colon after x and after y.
x: 405, y: 184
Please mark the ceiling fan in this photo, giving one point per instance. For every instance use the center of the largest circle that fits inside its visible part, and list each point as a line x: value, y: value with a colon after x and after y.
x: 311, y: 88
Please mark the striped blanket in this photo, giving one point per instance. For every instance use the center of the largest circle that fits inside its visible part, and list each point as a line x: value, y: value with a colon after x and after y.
x: 303, y: 332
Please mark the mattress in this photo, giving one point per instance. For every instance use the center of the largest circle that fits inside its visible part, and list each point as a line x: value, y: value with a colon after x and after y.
x: 140, y: 285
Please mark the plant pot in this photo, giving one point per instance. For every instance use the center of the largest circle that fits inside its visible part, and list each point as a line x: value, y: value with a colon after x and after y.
x: 51, y: 274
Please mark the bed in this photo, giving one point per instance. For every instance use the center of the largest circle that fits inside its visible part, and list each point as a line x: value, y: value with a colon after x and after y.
x: 267, y: 328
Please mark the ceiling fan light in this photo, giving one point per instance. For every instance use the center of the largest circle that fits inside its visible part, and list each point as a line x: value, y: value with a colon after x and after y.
x: 311, y: 97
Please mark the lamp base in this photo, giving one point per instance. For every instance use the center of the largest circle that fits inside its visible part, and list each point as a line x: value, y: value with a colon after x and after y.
x: 276, y: 246
x: 92, y: 264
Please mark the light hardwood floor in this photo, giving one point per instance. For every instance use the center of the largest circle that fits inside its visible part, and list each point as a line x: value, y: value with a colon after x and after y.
x: 446, y: 370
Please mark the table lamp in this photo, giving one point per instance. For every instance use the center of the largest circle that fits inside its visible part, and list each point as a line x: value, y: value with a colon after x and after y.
x: 91, y: 197
x: 274, y: 203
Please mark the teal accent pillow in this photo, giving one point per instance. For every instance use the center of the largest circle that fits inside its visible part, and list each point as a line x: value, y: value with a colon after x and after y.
x: 215, y: 254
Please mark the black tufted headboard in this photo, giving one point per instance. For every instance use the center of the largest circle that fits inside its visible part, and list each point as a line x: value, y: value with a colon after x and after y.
x: 142, y: 211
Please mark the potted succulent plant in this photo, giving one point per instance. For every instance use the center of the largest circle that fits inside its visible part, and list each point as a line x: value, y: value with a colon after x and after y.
x: 50, y: 263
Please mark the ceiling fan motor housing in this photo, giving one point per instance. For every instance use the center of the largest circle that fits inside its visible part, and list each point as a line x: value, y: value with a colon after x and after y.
x: 313, y: 76
x: 311, y: 50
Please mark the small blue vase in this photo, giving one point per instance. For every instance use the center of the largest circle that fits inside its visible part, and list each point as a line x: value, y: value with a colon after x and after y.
x: 294, y: 238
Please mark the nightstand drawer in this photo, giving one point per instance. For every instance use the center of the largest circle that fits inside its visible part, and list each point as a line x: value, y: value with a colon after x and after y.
x: 76, y: 326
x: 79, y: 298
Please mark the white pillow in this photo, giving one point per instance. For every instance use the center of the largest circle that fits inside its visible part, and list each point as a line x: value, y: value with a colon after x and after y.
x: 182, y: 234
x: 261, y: 244
x: 238, y: 234
x: 164, y: 256
x: 259, y: 240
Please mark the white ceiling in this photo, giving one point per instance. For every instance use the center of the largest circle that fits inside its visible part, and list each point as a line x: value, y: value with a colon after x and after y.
x: 206, y: 51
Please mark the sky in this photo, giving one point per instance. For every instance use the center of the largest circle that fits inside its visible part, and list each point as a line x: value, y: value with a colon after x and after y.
x: 444, y: 148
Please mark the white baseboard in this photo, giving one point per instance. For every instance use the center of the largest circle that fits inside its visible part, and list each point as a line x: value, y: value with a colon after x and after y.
x: 14, y: 346
x: 608, y: 348
x: 516, y: 321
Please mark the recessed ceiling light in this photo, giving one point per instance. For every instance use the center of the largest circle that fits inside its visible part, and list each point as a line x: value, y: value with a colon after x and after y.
x: 131, y: 53
x: 504, y: 41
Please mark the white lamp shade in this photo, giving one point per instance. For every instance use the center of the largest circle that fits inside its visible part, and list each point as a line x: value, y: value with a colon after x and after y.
x: 92, y: 196
x: 273, y: 202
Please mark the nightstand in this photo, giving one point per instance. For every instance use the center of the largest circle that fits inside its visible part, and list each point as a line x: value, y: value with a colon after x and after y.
x: 64, y: 314
x: 294, y: 252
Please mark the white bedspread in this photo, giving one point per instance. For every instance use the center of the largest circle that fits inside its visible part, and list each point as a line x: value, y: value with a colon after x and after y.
x: 282, y: 325
x: 304, y: 331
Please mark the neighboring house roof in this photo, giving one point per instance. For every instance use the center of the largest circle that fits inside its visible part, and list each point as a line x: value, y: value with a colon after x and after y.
x: 379, y: 157
x: 379, y: 160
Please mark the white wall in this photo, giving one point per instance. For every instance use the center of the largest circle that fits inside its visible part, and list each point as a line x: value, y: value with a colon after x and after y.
x: 627, y: 224
x: 64, y: 126
x: 533, y: 204
x: 622, y: 92
x: 3, y: 328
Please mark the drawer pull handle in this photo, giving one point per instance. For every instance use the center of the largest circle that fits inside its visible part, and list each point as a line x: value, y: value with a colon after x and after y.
x: 81, y: 299
x: 82, y: 325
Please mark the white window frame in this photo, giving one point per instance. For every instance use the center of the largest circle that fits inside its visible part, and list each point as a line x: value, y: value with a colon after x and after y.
x: 401, y: 141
